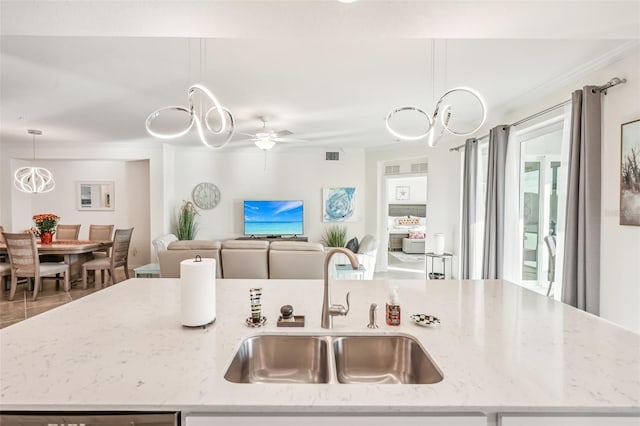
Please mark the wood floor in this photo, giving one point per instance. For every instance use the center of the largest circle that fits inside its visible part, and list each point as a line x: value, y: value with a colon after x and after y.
x: 22, y: 306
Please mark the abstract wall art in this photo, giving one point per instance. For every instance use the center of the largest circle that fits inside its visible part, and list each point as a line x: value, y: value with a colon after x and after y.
x: 338, y: 204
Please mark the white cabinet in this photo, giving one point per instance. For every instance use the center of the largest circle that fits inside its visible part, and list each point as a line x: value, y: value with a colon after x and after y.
x: 568, y: 420
x: 320, y: 420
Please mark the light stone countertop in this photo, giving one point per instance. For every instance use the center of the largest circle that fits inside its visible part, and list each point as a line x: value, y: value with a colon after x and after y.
x: 500, y: 347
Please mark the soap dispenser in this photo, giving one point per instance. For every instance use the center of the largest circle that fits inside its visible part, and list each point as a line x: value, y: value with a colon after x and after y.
x: 393, y: 308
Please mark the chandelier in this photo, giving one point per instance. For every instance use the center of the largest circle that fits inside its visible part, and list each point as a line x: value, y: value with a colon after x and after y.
x: 444, y: 117
x: 31, y: 179
x: 201, y: 116
x: 443, y: 111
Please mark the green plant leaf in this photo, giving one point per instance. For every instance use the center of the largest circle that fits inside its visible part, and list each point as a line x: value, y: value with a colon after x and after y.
x: 335, y: 236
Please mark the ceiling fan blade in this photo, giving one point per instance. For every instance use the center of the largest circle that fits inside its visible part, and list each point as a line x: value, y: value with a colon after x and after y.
x: 282, y: 133
x: 290, y: 140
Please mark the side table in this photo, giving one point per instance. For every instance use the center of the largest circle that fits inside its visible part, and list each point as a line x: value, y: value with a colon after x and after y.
x: 433, y: 275
x: 147, y: 270
x: 344, y: 271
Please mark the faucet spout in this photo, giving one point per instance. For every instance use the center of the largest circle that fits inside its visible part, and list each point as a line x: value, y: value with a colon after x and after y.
x: 329, y: 310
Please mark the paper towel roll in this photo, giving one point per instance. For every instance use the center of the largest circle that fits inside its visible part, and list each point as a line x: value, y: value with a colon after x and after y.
x: 197, y: 291
x: 438, y: 243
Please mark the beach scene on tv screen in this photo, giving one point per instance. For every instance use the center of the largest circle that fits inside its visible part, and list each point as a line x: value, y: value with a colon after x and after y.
x: 266, y: 217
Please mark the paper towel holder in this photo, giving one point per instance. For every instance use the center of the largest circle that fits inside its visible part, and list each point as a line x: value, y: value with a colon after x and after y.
x: 197, y: 293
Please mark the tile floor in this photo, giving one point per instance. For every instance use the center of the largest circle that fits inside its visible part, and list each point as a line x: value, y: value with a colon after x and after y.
x: 400, y: 270
x: 22, y: 307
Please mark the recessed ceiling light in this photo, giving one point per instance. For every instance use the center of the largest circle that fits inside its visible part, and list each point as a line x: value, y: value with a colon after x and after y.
x: 347, y: 1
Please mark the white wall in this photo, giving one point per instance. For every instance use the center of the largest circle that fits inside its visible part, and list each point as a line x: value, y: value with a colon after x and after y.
x: 290, y: 174
x: 417, y: 187
x: 620, y: 245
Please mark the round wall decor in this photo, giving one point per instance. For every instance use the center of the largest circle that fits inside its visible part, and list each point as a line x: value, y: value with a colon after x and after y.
x: 206, y: 195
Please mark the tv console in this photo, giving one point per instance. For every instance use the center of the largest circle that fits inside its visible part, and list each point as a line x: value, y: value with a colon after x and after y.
x: 273, y: 238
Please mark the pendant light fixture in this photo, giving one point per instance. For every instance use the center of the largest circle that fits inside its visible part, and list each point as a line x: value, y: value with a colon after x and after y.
x: 32, y: 179
x: 442, y: 113
x: 200, y: 113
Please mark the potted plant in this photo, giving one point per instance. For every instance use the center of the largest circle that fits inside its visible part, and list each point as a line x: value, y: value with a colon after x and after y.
x: 46, y: 226
x: 335, y: 236
x: 186, y: 226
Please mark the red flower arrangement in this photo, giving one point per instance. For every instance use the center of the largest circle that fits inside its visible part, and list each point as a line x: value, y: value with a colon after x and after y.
x: 46, y: 222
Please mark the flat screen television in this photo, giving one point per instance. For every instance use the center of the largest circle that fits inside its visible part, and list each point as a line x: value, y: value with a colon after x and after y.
x: 273, y: 217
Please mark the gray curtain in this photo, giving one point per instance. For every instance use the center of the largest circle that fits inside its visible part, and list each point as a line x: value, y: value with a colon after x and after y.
x: 581, y: 272
x: 493, y: 250
x: 469, y: 204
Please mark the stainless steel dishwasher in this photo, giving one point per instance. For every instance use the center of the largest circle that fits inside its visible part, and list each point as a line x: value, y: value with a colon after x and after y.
x: 88, y: 418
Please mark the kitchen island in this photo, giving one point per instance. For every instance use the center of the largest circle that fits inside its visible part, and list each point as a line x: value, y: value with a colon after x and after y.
x: 501, y: 349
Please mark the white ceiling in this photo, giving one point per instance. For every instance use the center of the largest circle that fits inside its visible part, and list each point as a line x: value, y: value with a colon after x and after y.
x: 92, y: 71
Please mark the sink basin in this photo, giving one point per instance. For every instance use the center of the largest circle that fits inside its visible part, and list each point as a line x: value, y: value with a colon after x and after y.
x: 301, y: 358
x: 280, y: 359
x: 387, y: 359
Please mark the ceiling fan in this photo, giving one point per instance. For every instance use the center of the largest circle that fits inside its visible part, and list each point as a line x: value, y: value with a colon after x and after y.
x: 266, y: 138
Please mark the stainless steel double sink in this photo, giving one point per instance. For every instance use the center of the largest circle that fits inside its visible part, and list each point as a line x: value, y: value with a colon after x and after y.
x: 303, y: 358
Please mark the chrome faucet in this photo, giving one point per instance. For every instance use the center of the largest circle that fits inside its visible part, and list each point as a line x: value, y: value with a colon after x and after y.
x: 329, y: 310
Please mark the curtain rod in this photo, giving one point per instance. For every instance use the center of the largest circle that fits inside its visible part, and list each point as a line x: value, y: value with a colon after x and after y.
x: 613, y: 82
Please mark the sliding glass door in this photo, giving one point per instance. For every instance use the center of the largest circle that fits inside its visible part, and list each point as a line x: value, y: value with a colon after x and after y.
x: 544, y: 158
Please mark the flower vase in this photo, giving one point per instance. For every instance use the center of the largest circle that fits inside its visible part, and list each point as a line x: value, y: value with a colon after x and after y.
x: 46, y: 237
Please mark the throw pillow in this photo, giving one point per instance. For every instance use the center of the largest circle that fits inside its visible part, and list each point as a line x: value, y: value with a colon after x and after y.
x: 416, y: 235
x: 352, y: 245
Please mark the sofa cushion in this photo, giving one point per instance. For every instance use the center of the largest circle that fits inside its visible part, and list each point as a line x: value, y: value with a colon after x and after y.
x: 296, y: 260
x: 296, y: 246
x: 194, y: 245
x: 245, y: 244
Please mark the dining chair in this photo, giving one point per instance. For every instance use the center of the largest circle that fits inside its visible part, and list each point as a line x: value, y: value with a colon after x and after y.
x: 25, y: 263
x: 100, y: 233
x: 63, y: 233
x: 119, y: 258
x: 550, y: 240
x: 5, y: 268
x: 67, y: 232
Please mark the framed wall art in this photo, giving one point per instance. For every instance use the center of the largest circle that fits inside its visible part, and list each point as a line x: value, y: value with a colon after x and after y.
x: 95, y: 195
x: 338, y: 204
x: 403, y: 193
x: 630, y: 173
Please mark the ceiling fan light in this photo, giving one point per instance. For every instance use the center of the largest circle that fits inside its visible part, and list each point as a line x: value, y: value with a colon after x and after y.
x: 265, y: 144
x: 264, y: 135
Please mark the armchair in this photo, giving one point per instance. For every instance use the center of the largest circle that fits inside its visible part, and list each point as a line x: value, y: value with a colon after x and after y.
x: 366, y: 255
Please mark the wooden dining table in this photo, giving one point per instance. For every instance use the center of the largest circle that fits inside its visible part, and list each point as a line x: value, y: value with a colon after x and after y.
x: 74, y: 252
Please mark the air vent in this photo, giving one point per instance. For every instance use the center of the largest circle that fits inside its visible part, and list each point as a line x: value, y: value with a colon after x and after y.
x: 419, y: 168
x: 332, y: 156
x: 392, y: 170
